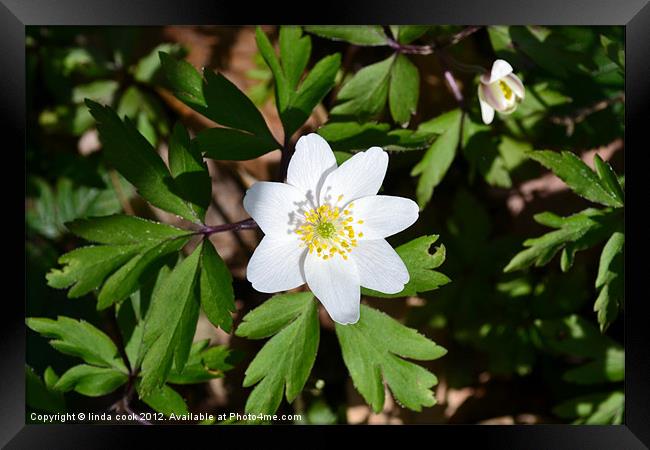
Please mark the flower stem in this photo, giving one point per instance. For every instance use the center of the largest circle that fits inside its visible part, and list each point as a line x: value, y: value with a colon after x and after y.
x: 246, y: 224
x: 429, y: 49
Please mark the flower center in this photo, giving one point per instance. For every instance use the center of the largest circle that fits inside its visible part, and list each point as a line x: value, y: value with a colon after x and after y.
x: 328, y: 231
x: 507, y: 92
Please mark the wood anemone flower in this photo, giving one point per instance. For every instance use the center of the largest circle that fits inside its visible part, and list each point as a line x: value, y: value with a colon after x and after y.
x: 326, y: 226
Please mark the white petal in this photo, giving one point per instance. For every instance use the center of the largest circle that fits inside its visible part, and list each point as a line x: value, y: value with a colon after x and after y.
x: 516, y: 85
x: 500, y: 69
x: 357, y: 177
x: 276, y: 207
x: 380, y: 267
x: 487, y: 112
x: 309, y: 165
x: 335, y: 282
x: 383, y: 215
x: 495, y: 97
x: 276, y: 265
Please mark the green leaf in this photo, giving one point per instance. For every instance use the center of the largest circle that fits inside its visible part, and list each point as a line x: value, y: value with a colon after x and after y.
x: 40, y: 395
x: 51, y: 209
x: 228, y: 144
x: 607, y: 369
x: 282, y: 87
x: 610, y: 280
x: 295, y: 50
x: 419, y: 263
x: 365, y: 94
x: 578, y: 176
x: 86, y: 268
x: 438, y: 158
x: 121, y: 229
x: 217, y: 295
x: 594, y: 409
x: 91, y: 381
x: 355, y: 136
x: 185, y: 81
x: 80, y: 339
x: 147, y: 67
x: 204, y: 364
x: 405, y: 34
x: 126, y: 280
x: 296, y: 103
x: 369, y: 35
x: 229, y: 106
x: 287, y: 358
x: 576, y: 232
x: 165, y: 400
x: 575, y: 336
x: 311, y: 92
x: 273, y: 315
x: 191, y: 177
x: 609, y: 178
x: 373, y: 349
x: 404, y: 90
x: 130, y: 153
x: 163, y: 327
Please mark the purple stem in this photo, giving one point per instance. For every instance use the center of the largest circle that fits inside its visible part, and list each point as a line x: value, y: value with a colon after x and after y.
x: 246, y: 224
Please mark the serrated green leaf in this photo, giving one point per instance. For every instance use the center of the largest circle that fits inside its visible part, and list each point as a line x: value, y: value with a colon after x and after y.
x: 365, y: 95
x: 204, y: 364
x: 576, y: 232
x: 610, y: 280
x: 273, y: 315
x: 354, y: 34
x: 80, y: 339
x: 373, y: 349
x: 120, y: 229
x: 91, y: 381
x: 51, y: 209
x: 163, y: 321
x: 165, y: 400
x: 287, y: 358
x: 86, y: 268
x: 438, y: 158
x: 419, y: 262
x: 130, y: 153
x: 577, y: 175
x: 126, y: 280
x: 217, y: 295
x: 191, y: 177
x: 404, y: 90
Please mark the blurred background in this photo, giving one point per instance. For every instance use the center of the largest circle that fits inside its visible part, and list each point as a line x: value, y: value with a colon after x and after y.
x: 511, y: 338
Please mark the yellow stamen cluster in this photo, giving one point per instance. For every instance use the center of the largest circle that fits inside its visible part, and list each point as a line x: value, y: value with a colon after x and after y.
x: 507, y: 92
x: 328, y: 231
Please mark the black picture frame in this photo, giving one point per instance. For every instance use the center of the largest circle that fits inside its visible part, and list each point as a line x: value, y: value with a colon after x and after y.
x: 634, y: 15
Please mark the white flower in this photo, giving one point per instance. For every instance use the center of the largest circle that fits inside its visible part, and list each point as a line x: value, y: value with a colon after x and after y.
x: 500, y: 90
x: 326, y: 227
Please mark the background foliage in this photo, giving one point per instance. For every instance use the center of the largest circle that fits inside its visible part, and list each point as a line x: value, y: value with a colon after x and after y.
x: 141, y: 141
